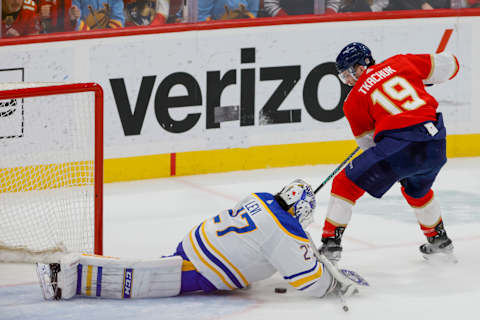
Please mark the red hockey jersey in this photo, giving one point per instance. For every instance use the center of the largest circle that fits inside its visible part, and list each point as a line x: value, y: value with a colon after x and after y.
x: 391, y: 95
x: 25, y: 22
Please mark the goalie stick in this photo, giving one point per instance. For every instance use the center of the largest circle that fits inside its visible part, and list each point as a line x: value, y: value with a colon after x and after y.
x: 340, y: 166
x: 350, y: 281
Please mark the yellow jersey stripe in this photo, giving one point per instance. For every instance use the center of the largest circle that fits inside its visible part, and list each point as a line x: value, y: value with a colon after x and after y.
x: 300, y: 282
x: 278, y: 222
x: 222, y: 256
x: 188, y: 266
x: 206, y: 263
x: 88, y: 287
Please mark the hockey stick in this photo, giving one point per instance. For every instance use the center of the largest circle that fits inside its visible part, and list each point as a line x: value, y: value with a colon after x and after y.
x: 350, y: 281
x: 340, y: 166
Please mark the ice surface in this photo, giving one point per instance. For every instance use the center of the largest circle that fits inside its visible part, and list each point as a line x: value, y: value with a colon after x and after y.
x: 149, y: 218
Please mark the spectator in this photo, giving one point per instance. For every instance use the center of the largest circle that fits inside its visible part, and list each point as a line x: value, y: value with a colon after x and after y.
x: 97, y: 14
x: 473, y: 3
x: 54, y: 16
x: 335, y: 6
x: 19, y: 18
x: 418, y: 4
x: 277, y: 8
x: 215, y: 9
x: 151, y: 12
x: 144, y: 12
x: 240, y: 13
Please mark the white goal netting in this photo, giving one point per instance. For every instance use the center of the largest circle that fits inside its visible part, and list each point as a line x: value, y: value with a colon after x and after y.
x: 47, y: 172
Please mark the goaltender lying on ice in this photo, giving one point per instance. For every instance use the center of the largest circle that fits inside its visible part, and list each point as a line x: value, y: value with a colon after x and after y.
x: 262, y: 234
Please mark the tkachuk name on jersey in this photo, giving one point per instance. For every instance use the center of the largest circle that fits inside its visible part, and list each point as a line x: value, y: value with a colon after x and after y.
x: 376, y: 77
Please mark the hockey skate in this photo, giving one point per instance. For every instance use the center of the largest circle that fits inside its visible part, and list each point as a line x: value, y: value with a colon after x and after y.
x: 332, y: 249
x: 48, y: 276
x: 440, y: 243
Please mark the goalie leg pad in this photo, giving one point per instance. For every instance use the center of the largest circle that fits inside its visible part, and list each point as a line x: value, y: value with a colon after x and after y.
x: 105, y: 277
x: 59, y: 280
x: 121, y: 278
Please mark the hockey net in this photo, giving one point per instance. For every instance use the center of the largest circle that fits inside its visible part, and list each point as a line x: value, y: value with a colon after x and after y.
x: 51, y: 170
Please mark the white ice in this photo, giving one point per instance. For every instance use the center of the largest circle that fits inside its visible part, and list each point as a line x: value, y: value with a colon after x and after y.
x: 148, y: 219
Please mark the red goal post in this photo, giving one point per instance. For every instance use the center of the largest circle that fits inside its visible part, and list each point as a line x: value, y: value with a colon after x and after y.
x: 68, y: 118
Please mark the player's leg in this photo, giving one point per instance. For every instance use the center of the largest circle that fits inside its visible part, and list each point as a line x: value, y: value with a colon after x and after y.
x: 344, y: 194
x: 192, y: 280
x: 429, y: 217
x: 416, y: 188
x: 370, y: 172
x: 106, y: 277
x: 374, y: 171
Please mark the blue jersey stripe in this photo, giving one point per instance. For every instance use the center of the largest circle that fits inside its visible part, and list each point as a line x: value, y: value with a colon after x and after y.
x: 284, y: 218
x: 79, y: 279
x: 301, y: 273
x: 215, y: 260
x: 99, y: 281
x: 307, y: 286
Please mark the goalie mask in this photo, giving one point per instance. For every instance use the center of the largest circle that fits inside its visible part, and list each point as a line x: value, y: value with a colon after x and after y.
x: 300, y: 200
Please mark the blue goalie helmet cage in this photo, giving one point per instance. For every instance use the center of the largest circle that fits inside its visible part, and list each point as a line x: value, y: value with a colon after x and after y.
x: 353, y: 54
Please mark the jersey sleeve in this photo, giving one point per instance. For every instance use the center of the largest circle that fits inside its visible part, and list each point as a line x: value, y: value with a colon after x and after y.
x: 205, y: 9
x: 296, y: 263
x: 117, y: 19
x: 358, y: 116
x: 435, y: 68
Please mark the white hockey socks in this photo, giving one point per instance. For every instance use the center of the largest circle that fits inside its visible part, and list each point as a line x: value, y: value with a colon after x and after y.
x: 428, y: 216
x: 105, y: 277
x: 339, y: 211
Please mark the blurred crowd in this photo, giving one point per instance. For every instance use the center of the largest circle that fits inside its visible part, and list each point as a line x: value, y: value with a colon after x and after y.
x: 30, y: 17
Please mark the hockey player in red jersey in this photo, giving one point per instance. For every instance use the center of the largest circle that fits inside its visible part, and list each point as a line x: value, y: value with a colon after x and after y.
x: 394, y: 120
x: 55, y: 16
x: 19, y: 18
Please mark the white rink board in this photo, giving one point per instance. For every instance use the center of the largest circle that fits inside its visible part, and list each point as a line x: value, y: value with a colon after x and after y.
x: 199, y: 53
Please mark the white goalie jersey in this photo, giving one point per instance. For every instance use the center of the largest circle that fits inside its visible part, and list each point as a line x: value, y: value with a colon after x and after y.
x: 253, y: 241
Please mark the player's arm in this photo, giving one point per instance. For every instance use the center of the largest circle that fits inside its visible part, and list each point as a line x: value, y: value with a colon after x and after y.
x: 361, y: 123
x: 296, y: 262
x: 205, y: 9
x: 117, y: 20
x: 435, y: 68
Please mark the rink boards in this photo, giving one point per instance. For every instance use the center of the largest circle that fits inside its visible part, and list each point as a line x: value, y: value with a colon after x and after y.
x: 211, y: 99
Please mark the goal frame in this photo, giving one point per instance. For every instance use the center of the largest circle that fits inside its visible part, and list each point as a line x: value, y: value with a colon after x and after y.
x: 58, y: 89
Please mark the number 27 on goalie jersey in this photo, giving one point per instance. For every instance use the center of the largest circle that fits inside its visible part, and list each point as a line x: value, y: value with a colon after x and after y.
x: 250, y: 243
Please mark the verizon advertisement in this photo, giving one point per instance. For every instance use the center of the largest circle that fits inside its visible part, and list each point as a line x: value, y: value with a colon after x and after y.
x: 237, y: 88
